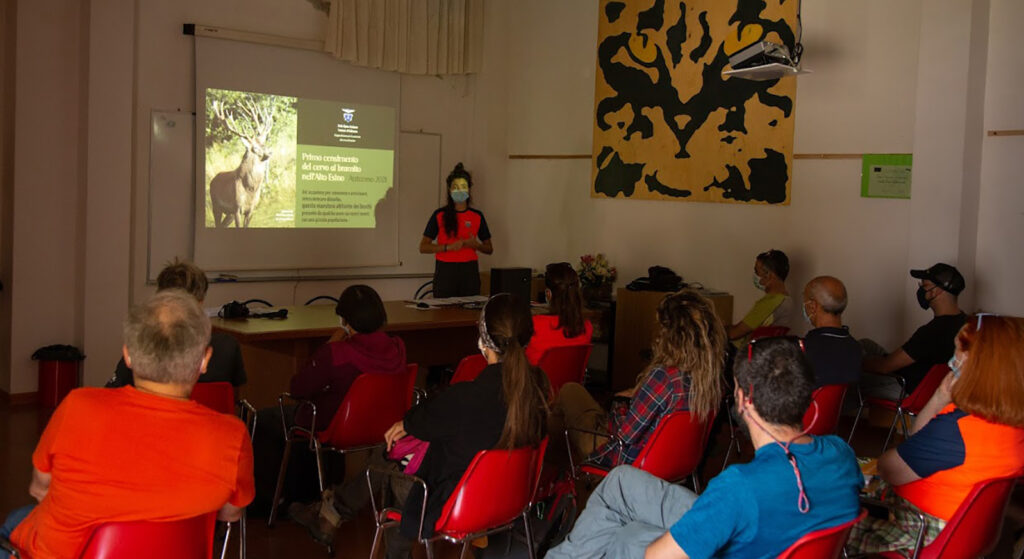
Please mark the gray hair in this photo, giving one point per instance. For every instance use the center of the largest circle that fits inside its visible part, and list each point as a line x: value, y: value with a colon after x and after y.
x: 167, y: 337
x: 830, y: 293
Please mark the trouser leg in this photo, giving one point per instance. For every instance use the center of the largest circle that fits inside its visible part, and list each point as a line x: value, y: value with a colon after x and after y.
x: 630, y: 503
x: 579, y: 410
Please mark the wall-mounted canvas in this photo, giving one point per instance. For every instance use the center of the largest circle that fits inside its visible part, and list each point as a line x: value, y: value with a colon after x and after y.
x: 668, y: 125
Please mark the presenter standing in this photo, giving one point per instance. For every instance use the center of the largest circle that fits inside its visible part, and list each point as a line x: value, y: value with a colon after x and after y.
x: 454, y: 234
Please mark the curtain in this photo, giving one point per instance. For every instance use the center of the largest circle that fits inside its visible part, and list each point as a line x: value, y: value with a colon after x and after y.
x: 432, y: 37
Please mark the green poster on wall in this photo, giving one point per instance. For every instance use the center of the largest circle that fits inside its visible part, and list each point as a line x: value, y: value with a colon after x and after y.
x: 886, y: 175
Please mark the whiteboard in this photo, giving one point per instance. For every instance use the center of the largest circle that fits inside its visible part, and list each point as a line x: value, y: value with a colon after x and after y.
x: 171, y: 208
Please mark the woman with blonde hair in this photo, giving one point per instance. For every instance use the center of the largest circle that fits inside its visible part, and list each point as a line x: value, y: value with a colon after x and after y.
x: 970, y: 431
x: 684, y: 374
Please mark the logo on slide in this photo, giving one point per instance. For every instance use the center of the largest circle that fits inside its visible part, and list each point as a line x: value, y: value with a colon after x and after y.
x: 348, y: 114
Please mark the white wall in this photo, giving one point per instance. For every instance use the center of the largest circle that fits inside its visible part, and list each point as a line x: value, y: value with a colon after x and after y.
x: 889, y: 77
x: 1001, y: 210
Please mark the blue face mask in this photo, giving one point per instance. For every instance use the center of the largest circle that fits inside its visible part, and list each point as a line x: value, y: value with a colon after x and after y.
x: 757, y: 283
x: 459, y: 196
x: 955, y: 366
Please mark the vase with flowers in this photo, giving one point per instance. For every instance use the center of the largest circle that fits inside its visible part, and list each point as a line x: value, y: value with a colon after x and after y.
x: 597, y: 276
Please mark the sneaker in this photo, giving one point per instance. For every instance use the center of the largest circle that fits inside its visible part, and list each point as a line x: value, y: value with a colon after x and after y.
x: 308, y: 515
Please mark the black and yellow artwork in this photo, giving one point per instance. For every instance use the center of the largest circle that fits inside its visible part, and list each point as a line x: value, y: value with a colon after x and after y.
x: 668, y: 125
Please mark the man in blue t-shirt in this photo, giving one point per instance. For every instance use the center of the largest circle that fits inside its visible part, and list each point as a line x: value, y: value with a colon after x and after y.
x: 756, y: 509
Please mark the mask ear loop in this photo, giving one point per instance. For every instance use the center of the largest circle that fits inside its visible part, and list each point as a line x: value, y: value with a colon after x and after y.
x: 482, y: 327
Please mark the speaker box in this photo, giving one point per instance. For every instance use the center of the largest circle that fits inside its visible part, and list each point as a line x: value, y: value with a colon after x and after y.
x: 515, y: 281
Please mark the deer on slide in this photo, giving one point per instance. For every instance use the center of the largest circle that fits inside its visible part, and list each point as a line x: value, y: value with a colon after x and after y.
x: 235, y: 194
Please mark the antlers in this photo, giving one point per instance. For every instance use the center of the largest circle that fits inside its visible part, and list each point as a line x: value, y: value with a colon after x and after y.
x: 257, y: 122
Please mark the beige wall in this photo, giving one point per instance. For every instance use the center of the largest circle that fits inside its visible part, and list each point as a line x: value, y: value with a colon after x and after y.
x: 889, y: 77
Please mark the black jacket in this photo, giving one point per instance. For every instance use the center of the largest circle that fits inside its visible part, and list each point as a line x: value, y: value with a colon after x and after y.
x: 464, y: 419
x: 225, y: 364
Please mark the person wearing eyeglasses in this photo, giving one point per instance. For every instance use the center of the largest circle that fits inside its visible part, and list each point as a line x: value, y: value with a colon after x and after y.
x: 834, y: 354
x: 775, y: 307
x: 795, y: 484
x: 971, y: 430
x: 930, y: 345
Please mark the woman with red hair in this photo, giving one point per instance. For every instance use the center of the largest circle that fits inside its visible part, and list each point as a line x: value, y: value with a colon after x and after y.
x: 970, y: 431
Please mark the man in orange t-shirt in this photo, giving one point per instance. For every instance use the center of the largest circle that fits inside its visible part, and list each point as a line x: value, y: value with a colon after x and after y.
x: 138, y: 453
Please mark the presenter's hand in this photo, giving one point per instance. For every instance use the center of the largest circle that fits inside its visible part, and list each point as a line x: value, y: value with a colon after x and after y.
x: 397, y: 431
x: 451, y: 247
x: 473, y: 243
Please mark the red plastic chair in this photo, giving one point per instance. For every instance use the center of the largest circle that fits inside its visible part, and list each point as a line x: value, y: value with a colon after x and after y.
x: 496, y: 490
x: 909, y: 404
x: 191, y: 538
x: 767, y: 332
x: 829, y: 400
x: 565, y: 364
x: 371, y: 406
x: 974, y: 529
x: 673, y: 451
x: 218, y: 396
x: 822, y: 544
x: 469, y: 368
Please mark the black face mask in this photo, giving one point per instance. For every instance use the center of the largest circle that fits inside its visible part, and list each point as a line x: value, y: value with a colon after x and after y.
x: 922, y: 298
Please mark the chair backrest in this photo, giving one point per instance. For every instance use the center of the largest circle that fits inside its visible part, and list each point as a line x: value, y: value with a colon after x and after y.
x: 469, y: 368
x: 676, y: 446
x: 496, y: 488
x: 916, y: 400
x: 768, y: 332
x: 829, y: 400
x: 218, y: 396
x: 373, y: 403
x: 973, y: 531
x: 191, y: 538
x: 564, y: 364
x: 822, y: 544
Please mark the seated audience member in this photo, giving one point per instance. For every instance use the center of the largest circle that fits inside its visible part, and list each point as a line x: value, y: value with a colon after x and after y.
x: 504, y: 407
x: 226, y: 363
x: 358, y: 346
x: 564, y: 324
x: 776, y: 307
x: 834, y: 354
x: 971, y: 430
x: 794, y: 485
x: 684, y: 374
x: 171, y: 459
x: 931, y: 344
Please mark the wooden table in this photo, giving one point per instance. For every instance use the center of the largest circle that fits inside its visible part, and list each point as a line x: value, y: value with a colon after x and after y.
x: 636, y: 324
x: 274, y: 350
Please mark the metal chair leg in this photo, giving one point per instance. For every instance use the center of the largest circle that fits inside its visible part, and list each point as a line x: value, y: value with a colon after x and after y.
x: 376, y: 540
x: 430, y: 549
x: 227, y: 536
x: 242, y: 536
x: 696, y: 482
x: 529, y: 536
x: 280, y: 482
x: 856, y: 419
x: 892, y: 429
x: 462, y: 552
x: 319, y: 465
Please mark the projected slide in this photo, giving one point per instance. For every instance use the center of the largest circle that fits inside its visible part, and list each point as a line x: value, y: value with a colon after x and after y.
x: 274, y: 161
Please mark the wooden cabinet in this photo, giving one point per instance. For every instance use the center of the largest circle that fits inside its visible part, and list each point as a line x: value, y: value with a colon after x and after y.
x: 636, y: 325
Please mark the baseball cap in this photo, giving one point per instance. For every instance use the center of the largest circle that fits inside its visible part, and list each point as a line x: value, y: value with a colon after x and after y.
x: 943, y: 275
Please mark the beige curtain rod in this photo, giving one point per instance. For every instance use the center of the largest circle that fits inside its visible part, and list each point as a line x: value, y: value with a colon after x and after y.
x: 1006, y: 132
x: 250, y: 37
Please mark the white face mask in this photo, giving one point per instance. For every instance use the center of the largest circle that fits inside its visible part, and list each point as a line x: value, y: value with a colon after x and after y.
x: 345, y: 327
x: 757, y: 283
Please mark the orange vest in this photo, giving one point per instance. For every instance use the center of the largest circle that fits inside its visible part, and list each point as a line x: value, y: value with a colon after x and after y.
x: 991, y: 450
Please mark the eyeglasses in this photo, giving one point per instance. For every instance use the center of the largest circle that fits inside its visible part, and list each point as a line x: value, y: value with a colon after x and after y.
x: 795, y: 339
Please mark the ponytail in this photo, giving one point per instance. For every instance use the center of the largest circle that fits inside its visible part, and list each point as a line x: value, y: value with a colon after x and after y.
x: 506, y: 327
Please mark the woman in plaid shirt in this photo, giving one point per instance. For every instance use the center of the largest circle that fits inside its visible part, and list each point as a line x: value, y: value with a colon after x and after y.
x: 684, y: 374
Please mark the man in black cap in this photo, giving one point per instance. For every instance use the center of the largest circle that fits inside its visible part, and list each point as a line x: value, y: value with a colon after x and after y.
x: 931, y: 344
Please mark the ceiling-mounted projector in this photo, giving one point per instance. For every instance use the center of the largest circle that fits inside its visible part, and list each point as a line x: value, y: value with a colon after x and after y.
x: 763, y: 60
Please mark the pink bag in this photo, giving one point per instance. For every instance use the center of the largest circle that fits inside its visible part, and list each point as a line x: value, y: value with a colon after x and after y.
x: 409, y: 451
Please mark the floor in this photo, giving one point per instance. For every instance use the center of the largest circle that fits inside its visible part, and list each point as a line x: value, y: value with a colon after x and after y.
x: 20, y: 427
